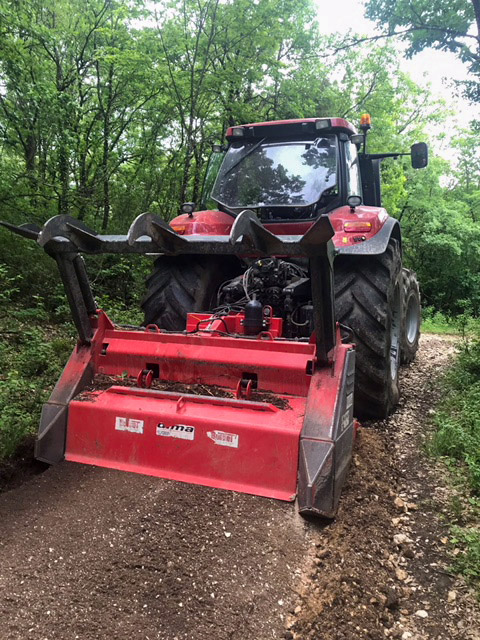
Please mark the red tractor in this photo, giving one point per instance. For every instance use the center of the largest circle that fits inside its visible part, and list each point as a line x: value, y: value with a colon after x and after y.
x: 289, y: 173
x: 242, y: 378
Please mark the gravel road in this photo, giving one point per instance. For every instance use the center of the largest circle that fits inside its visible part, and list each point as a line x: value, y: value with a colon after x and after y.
x: 90, y: 553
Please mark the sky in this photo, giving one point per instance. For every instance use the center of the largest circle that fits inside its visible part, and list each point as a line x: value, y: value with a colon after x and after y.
x: 430, y: 66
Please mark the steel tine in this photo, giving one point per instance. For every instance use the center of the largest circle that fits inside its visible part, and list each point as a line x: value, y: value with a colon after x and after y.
x: 138, y: 228
x: 83, y: 236
x: 162, y: 234
x: 254, y: 233
x: 64, y: 226
x: 319, y: 233
x: 28, y: 230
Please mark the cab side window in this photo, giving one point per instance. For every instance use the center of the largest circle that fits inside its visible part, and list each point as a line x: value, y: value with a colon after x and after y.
x: 354, y: 183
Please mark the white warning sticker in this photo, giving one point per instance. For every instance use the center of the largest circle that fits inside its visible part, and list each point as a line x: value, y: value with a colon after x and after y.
x: 346, y: 421
x: 182, y: 431
x: 223, y: 438
x: 349, y: 401
x: 129, y: 424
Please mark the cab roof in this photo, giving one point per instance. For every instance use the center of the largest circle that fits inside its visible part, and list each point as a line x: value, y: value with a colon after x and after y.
x: 285, y: 128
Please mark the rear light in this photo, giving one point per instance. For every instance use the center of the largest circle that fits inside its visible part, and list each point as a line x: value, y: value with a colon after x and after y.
x: 178, y: 229
x: 356, y: 226
x: 188, y: 207
x: 322, y: 124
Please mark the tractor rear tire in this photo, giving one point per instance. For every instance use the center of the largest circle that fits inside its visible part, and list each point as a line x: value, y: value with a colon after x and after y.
x: 180, y: 285
x: 411, y: 317
x: 368, y: 301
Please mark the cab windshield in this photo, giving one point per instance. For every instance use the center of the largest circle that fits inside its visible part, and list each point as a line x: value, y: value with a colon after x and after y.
x: 272, y: 174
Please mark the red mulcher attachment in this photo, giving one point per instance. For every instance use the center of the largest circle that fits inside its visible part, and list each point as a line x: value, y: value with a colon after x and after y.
x: 211, y: 405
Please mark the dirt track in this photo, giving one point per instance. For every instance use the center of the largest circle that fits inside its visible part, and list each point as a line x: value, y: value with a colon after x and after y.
x: 89, y: 553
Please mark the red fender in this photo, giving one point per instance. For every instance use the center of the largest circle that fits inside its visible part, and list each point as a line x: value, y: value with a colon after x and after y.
x: 352, y: 229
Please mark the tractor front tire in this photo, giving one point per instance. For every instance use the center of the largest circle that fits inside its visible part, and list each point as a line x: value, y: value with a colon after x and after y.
x: 368, y: 300
x: 411, y: 317
x: 180, y: 285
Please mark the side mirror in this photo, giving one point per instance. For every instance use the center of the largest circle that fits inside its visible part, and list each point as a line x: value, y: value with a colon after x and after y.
x: 419, y: 155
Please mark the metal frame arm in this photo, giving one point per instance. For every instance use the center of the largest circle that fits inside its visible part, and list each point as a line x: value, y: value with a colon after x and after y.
x: 79, y: 293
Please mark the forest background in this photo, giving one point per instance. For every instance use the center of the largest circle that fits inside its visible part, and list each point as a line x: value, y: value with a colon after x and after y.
x: 109, y: 109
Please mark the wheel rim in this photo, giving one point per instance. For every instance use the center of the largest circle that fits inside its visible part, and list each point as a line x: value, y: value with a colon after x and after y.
x: 412, y: 320
x: 395, y: 334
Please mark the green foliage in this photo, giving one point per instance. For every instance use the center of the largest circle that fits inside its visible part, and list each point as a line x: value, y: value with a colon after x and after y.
x: 8, y: 285
x: 32, y: 355
x: 457, y: 441
x: 447, y: 26
x: 467, y: 562
x: 463, y: 324
x: 434, y: 321
x: 119, y: 313
x: 441, y: 239
x: 32, y: 359
x: 458, y: 418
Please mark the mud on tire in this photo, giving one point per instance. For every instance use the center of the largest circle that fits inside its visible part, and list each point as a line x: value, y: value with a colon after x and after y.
x: 411, y: 317
x: 183, y: 284
x: 368, y: 301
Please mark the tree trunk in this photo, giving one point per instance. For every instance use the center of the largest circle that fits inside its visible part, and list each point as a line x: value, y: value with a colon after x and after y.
x: 31, y: 167
x: 105, y: 177
x: 63, y: 200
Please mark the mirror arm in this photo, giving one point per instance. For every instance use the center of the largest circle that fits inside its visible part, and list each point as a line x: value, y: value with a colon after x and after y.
x: 379, y: 156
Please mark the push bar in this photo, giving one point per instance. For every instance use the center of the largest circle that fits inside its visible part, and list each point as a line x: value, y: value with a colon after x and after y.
x: 64, y: 238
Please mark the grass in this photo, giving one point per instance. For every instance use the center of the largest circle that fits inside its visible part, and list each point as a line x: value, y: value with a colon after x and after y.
x: 437, y: 322
x: 458, y: 417
x: 37, y: 337
x: 32, y: 356
x: 457, y: 442
x: 467, y: 562
x: 34, y: 348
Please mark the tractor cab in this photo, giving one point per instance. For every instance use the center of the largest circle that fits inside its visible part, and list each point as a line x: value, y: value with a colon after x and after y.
x: 287, y: 170
x: 297, y: 169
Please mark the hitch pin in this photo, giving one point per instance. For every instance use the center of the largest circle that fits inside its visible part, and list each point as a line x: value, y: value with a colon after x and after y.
x: 145, y: 378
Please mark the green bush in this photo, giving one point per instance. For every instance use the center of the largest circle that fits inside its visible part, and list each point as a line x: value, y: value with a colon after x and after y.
x: 458, y: 417
x: 20, y: 400
x: 434, y: 321
x: 457, y: 439
x: 32, y: 358
x: 467, y: 562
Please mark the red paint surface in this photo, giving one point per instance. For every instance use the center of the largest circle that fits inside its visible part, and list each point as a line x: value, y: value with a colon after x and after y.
x: 208, y: 223
x: 336, y: 122
x: 266, y: 460
x: 220, y: 223
x: 233, y: 323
